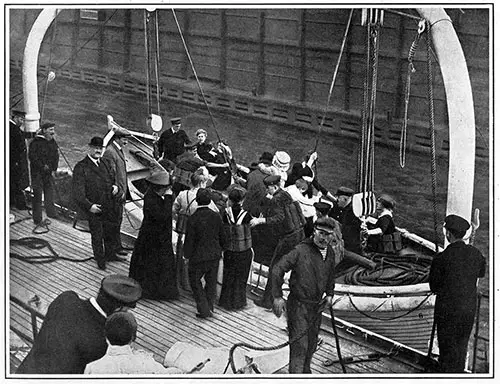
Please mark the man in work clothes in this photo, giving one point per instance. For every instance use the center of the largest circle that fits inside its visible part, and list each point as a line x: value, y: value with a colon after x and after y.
x: 203, y: 248
x: 94, y: 192
x: 453, y: 278
x: 115, y: 157
x: 19, y: 179
x: 172, y: 141
x: 312, y: 263
x: 290, y: 231
x: 73, y: 334
x: 44, y: 160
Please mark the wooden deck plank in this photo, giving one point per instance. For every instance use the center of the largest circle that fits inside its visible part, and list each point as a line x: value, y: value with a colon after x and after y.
x: 162, y: 323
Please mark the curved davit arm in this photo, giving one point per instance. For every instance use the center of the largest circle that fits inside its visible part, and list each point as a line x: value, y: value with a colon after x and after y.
x: 462, y: 129
x: 30, y: 66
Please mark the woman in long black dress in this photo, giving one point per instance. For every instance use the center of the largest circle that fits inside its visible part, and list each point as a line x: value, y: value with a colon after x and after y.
x: 153, y: 263
x: 238, y: 252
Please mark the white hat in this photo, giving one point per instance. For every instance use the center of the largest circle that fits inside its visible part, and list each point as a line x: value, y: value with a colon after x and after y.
x: 281, y: 160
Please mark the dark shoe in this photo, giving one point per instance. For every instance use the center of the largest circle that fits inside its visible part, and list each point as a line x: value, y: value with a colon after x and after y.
x: 200, y: 316
x: 101, y: 265
x: 116, y: 258
x: 262, y: 303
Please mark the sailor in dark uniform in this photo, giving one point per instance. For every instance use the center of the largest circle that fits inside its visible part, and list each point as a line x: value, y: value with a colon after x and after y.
x: 19, y: 179
x: 172, y: 141
x: 453, y: 278
x: 286, y: 217
x: 312, y: 263
x: 44, y: 160
x: 73, y: 334
x: 351, y: 225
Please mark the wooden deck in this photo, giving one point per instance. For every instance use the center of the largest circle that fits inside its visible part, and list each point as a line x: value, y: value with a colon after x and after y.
x: 162, y: 323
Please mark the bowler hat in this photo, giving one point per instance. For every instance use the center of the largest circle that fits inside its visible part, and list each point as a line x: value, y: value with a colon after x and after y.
x: 121, y: 328
x: 272, y: 180
x: 203, y: 196
x: 159, y: 178
x: 344, y: 191
x: 326, y: 224
x: 457, y: 224
x: 96, y: 141
x: 122, y: 288
x: 175, y: 120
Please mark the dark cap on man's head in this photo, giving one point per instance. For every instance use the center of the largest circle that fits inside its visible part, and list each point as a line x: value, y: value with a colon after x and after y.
x: 45, y: 126
x: 122, y: 288
x: 326, y: 224
x: 323, y: 207
x: 266, y: 158
x: 121, y: 328
x: 344, y: 191
x: 96, y: 141
x: 203, y: 196
x: 175, y: 120
x: 272, y: 180
x: 456, y: 224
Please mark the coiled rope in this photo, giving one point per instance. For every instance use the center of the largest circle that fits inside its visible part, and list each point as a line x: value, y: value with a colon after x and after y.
x: 36, y: 243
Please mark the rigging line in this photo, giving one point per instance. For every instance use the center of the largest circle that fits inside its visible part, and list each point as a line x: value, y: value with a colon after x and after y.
x: 195, y: 74
x: 430, y: 95
x: 376, y: 49
x: 148, y: 69
x: 52, y: 39
x: 335, y: 72
x: 157, y: 61
x: 364, y: 116
x: 402, y: 14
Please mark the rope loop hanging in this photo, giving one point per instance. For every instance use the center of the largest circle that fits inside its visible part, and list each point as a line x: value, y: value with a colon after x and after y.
x: 411, y: 70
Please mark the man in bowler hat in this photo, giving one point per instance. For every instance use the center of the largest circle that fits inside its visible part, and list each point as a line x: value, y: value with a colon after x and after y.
x: 453, y: 278
x: 73, y: 331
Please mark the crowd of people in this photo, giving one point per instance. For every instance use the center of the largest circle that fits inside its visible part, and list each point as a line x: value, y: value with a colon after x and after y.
x: 272, y: 212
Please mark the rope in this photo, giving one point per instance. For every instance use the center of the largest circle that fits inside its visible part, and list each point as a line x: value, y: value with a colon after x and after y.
x: 388, y: 318
x: 148, y: 70
x: 411, y: 70
x: 430, y: 95
x: 36, y: 243
x: 157, y: 62
x: 344, y: 39
x: 273, y: 348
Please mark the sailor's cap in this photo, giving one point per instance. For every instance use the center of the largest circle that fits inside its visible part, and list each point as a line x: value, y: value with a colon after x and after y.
x: 272, y: 180
x: 322, y: 207
x: 344, y: 191
x: 45, y: 126
x: 326, y: 224
x: 159, y: 178
x: 456, y: 223
x: 122, y: 288
x: 175, y: 120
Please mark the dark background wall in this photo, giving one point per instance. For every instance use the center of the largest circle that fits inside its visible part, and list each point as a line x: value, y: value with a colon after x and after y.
x: 286, y: 54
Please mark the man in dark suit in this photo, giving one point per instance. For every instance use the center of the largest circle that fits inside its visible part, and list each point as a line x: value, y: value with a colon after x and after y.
x: 453, y: 278
x: 172, y: 141
x: 115, y: 158
x: 94, y: 194
x: 19, y: 179
x: 342, y: 211
x: 44, y: 160
x: 73, y: 331
x: 203, y: 248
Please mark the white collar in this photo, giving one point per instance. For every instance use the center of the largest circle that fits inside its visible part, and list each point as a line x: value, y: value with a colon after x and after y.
x: 93, y: 160
x: 385, y: 212
x: 119, y: 349
x: 94, y: 303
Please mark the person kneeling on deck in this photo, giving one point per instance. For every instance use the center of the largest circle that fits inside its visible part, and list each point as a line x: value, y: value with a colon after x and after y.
x: 383, y: 237
x: 453, y: 278
x: 203, y: 249
x: 73, y: 332
x: 312, y: 263
x: 287, y: 218
x: 120, y: 358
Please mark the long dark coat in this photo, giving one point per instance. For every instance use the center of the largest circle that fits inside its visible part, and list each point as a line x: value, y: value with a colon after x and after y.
x: 18, y: 159
x: 171, y: 144
x: 72, y: 335
x: 153, y: 263
x: 453, y: 278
